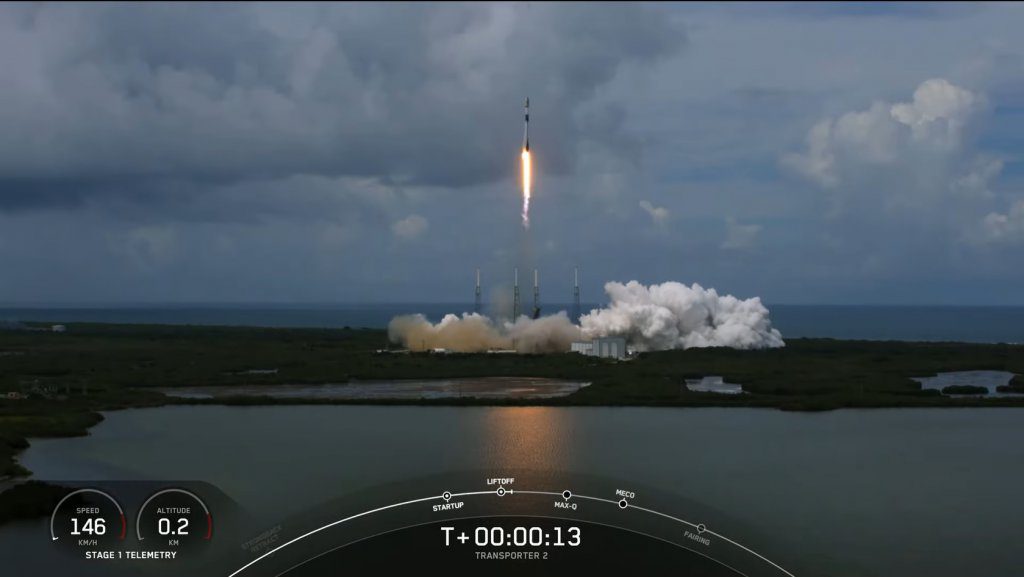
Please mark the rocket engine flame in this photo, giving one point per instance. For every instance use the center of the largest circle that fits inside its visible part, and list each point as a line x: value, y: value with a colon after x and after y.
x: 527, y: 184
x: 658, y: 317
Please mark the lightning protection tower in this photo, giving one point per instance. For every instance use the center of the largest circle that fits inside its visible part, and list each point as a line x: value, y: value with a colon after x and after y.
x: 576, y: 312
x: 515, y: 295
x: 476, y: 302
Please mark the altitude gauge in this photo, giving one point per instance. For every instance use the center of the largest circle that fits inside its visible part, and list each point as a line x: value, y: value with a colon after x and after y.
x: 88, y: 520
x: 174, y: 520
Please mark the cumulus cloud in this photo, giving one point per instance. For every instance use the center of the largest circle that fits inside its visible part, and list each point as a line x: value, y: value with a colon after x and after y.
x: 1005, y: 227
x: 932, y: 124
x: 912, y: 191
x: 409, y: 227
x: 739, y: 236
x: 911, y: 170
x: 672, y: 315
x: 975, y: 182
x: 659, y: 215
x: 299, y: 134
x: 818, y: 163
x: 938, y: 113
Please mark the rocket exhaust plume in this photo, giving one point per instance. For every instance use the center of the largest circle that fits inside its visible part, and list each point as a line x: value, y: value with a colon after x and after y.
x: 672, y: 315
x: 657, y: 317
x: 527, y: 170
x: 473, y: 333
x: 527, y: 167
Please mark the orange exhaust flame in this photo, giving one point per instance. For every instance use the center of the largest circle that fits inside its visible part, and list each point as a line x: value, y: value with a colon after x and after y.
x: 527, y: 184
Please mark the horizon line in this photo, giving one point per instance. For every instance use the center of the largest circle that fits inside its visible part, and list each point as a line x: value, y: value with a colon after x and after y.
x: 302, y: 304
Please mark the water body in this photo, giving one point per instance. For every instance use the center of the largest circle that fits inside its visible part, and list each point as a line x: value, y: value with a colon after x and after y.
x: 476, y: 388
x: 713, y: 384
x: 892, y: 492
x: 909, y: 323
x: 991, y: 380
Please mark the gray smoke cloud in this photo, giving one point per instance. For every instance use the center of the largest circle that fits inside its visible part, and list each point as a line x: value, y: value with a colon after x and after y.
x: 651, y: 318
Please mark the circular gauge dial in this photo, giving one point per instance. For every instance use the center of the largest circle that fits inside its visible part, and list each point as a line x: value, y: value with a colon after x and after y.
x: 174, y: 519
x: 88, y: 520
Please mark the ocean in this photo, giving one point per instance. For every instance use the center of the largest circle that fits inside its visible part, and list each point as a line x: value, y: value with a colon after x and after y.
x: 869, y: 322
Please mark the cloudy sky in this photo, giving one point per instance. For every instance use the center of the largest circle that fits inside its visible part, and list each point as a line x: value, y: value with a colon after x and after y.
x: 270, y: 153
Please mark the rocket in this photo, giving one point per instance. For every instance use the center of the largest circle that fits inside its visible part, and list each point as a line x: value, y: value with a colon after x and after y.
x: 526, y: 130
x: 526, y: 166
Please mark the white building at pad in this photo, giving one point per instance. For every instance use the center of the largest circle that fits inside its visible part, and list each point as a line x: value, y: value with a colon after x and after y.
x: 604, y: 347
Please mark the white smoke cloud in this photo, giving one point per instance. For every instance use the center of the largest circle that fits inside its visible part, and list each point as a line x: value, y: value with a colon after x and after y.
x: 659, y: 317
x: 673, y: 316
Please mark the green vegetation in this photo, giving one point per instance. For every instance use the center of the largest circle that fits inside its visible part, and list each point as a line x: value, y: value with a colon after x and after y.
x: 964, y: 390
x: 29, y: 500
x: 1016, y: 385
x: 70, y: 377
x: 59, y: 417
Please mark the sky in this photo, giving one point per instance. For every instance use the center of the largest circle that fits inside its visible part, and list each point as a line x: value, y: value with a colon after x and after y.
x: 254, y: 153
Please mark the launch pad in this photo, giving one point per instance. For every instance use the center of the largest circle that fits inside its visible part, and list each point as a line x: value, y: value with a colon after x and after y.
x: 534, y: 312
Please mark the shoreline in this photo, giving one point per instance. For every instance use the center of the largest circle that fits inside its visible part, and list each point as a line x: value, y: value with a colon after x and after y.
x: 24, y: 498
x: 64, y: 381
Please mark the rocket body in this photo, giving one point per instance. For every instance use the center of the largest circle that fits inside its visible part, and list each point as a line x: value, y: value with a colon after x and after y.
x: 526, y: 166
x: 526, y: 129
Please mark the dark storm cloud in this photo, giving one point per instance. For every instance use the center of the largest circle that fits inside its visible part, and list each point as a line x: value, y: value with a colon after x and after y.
x: 860, y: 9
x: 320, y: 152
x: 121, y: 99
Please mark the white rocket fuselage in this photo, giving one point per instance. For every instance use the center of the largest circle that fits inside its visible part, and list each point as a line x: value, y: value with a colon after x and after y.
x: 526, y: 129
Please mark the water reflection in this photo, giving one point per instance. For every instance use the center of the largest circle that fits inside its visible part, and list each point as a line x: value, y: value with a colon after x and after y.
x: 537, y: 438
x: 797, y: 474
